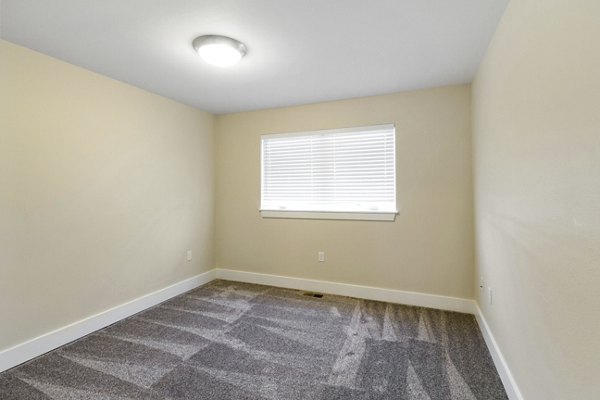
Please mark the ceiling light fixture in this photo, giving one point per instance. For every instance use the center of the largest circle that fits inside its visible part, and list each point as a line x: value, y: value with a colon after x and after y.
x: 221, y: 51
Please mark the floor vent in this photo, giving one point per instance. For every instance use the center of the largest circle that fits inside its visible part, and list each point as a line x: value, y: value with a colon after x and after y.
x: 311, y: 294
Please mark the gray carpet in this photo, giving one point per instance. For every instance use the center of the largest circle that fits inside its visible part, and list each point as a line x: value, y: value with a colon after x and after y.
x: 237, y: 341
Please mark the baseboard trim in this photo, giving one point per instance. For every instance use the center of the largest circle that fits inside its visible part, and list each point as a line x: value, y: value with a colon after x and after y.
x: 23, y: 352
x: 346, y: 289
x: 30, y: 349
x: 391, y: 296
x: 510, y: 385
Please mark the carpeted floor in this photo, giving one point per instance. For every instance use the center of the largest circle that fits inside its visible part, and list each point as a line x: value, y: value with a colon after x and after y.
x: 237, y: 341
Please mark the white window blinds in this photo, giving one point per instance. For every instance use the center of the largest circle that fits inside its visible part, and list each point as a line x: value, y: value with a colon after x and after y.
x: 344, y: 170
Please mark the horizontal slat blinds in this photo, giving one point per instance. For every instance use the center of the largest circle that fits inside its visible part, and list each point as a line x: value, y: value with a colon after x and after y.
x: 345, y: 170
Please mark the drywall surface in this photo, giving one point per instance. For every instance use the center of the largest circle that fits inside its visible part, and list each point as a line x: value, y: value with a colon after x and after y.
x: 103, y: 188
x: 536, y: 126
x: 429, y: 247
x: 10, y: 220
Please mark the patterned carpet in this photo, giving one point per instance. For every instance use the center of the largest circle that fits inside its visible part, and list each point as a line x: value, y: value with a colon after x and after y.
x: 237, y: 341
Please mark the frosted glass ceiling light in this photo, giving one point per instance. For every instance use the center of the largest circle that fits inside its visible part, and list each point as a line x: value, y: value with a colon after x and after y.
x: 221, y: 51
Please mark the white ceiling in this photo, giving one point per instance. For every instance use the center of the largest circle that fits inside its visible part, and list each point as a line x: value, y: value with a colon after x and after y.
x: 299, y: 51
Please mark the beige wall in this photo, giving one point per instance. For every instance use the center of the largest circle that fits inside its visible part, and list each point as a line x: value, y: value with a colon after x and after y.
x: 429, y: 246
x: 537, y: 162
x: 10, y: 221
x: 103, y: 188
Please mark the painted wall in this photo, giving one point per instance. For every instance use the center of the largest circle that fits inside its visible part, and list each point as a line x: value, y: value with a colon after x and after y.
x: 429, y: 248
x: 103, y: 188
x: 537, y: 165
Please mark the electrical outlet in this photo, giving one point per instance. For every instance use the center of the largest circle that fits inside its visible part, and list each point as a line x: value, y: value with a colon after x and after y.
x: 321, y: 256
x: 490, y: 295
x: 189, y: 255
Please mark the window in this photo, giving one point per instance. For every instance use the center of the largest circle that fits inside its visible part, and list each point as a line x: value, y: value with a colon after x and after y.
x: 332, y: 174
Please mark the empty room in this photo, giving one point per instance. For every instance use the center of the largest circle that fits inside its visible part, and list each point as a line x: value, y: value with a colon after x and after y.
x: 310, y: 199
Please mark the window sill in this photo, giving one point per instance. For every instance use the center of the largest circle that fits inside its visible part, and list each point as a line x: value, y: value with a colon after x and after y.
x: 362, y: 216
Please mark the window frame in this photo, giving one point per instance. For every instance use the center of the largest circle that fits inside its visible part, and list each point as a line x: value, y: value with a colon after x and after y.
x: 330, y: 215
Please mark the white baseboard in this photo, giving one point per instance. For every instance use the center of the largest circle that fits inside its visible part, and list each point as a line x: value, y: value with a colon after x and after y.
x: 510, y: 385
x: 345, y: 289
x: 391, y: 296
x: 35, y: 347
